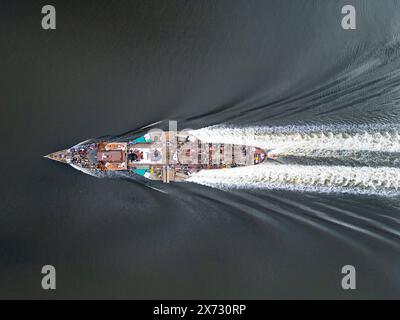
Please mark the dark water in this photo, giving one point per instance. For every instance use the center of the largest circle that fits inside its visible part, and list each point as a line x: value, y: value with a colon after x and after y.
x: 111, y: 67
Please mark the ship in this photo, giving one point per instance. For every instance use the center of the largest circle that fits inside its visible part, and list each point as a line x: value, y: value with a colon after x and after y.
x: 165, y: 156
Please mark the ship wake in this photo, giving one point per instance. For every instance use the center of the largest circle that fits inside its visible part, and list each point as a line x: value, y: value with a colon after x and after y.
x: 308, y: 139
x: 362, y: 180
x: 376, y: 147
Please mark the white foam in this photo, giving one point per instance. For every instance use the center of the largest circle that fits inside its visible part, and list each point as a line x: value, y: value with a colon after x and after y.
x: 306, y: 140
x: 366, y: 180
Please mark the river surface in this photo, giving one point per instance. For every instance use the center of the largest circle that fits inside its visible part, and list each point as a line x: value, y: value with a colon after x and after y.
x: 282, y: 75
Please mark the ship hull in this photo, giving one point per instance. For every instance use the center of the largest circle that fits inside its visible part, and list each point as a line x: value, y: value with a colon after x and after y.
x: 161, y: 156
